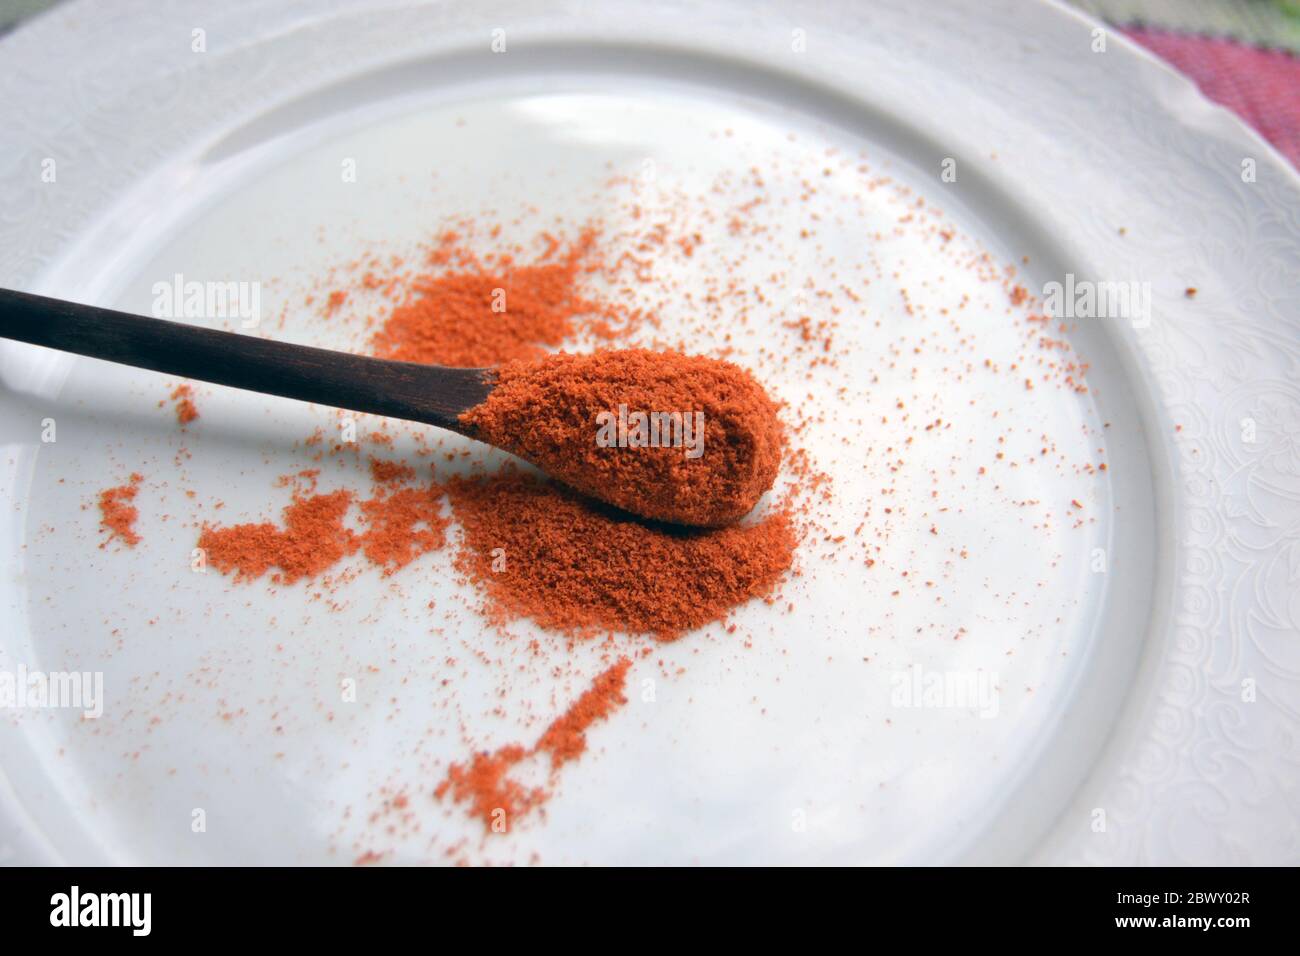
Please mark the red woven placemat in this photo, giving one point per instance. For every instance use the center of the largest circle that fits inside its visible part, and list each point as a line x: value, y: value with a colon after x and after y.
x: 1260, y: 86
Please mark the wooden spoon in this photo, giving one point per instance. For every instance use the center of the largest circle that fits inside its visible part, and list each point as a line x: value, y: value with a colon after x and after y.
x: 433, y: 394
x: 657, y: 483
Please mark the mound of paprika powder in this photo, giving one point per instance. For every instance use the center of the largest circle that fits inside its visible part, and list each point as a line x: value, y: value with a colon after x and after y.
x: 578, y: 566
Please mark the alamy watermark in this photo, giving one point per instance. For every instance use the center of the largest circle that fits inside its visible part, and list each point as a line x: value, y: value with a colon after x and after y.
x: 79, y: 690
x: 1085, y: 299
x: 131, y: 911
x: 626, y: 429
x: 190, y: 299
x: 963, y: 690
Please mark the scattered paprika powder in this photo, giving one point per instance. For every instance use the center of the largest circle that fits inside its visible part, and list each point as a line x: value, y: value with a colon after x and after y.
x: 118, y: 514
x: 186, y: 410
x: 485, y: 784
x: 402, y: 523
x: 485, y: 314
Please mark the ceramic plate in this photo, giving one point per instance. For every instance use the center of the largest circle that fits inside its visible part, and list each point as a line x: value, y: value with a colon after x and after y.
x: 1046, y: 606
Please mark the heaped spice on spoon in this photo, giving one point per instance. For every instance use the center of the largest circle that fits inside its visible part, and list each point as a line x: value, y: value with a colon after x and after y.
x: 671, y: 437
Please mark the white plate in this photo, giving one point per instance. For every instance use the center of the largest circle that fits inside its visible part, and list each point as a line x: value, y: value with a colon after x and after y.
x: 1145, y: 713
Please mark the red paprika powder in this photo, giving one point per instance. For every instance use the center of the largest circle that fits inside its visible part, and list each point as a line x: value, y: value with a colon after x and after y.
x: 488, y: 312
x: 117, y: 514
x: 541, y: 551
x: 401, y: 523
x: 672, y: 437
x: 485, y: 783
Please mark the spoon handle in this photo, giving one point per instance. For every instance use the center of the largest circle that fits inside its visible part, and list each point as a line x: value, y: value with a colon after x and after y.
x: 434, y: 394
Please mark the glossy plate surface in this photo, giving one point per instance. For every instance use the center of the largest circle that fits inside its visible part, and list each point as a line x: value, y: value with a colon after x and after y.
x: 1133, y: 627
